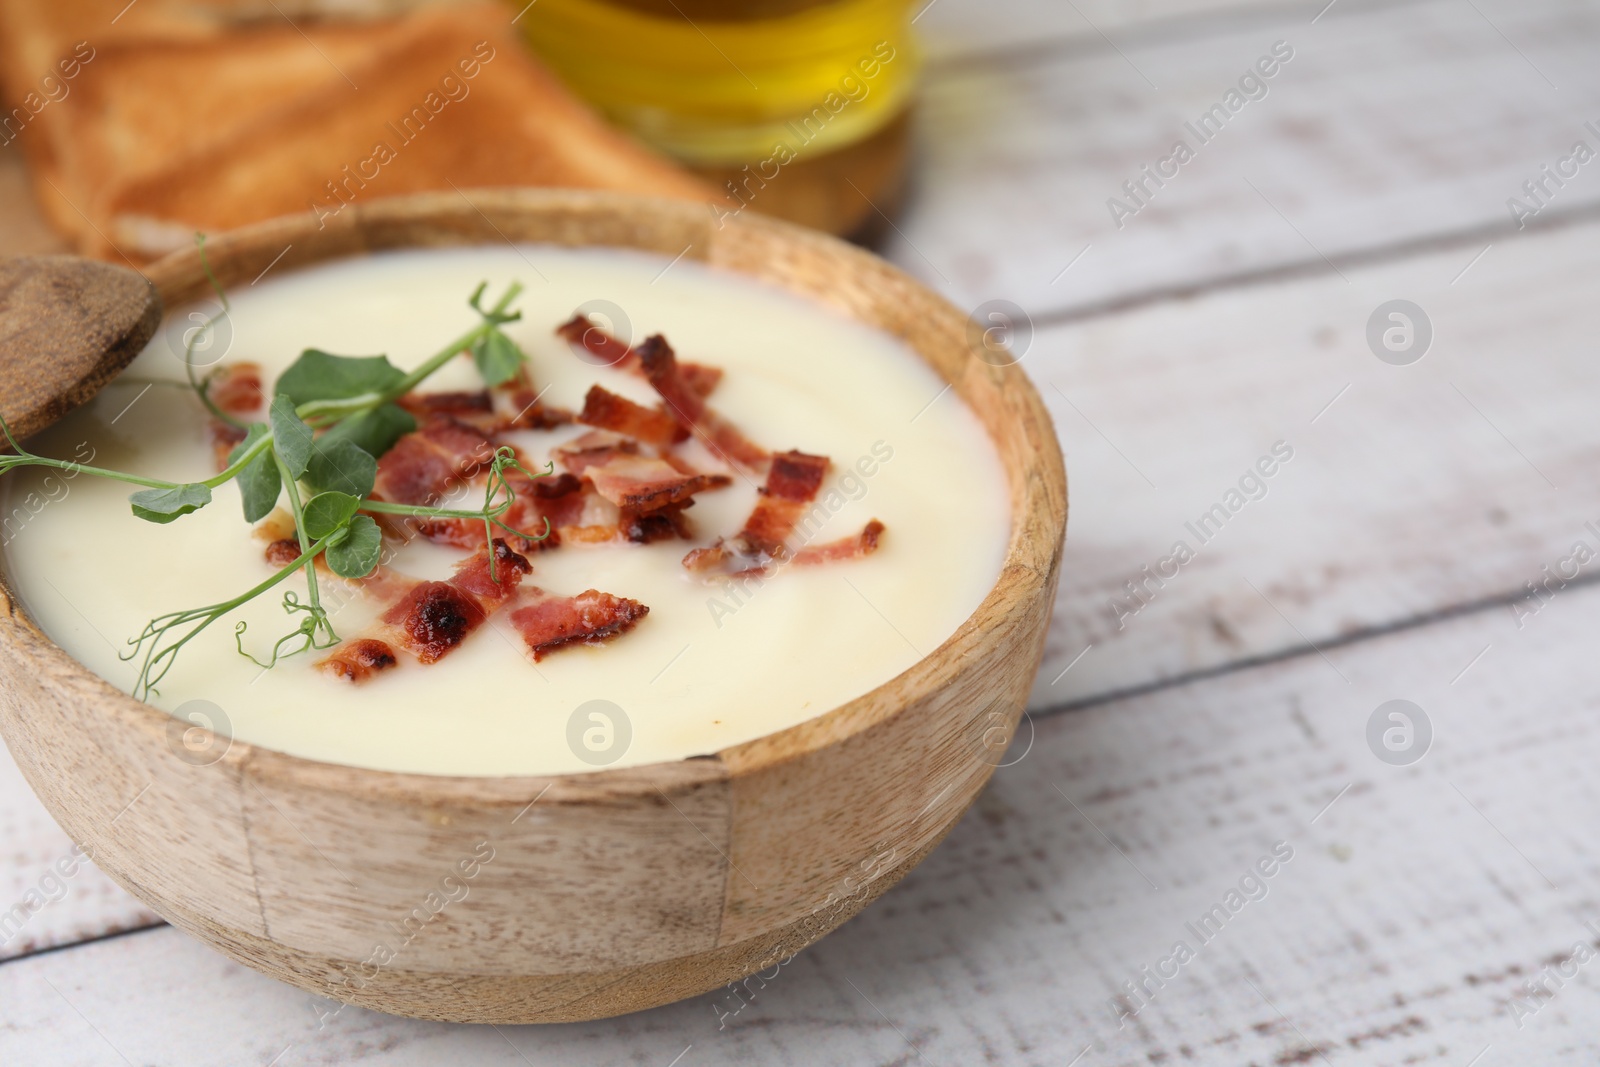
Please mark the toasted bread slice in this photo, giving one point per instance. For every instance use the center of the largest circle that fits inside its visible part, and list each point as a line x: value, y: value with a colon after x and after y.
x: 35, y: 34
x: 121, y: 119
x: 451, y: 100
x: 93, y: 93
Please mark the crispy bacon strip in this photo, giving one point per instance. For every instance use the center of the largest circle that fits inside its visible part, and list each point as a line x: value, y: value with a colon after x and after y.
x: 793, y: 481
x: 635, y: 498
x: 664, y: 524
x: 608, y: 411
x: 512, y: 405
x: 728, y: 558
x: 640, y: 484
x: 427, y: 463
x: 689, y: 408
x: 581, y: 332
x: 359, y: 659
x: 560, y: 499
x: 464, y: 405
x: 862, y: 544
x: 433, y: 618
x: 547, y: 621
x: 236, y: 388
x: 516, y: 404
x: 593, y: 449
x: 222, y: 437
x: 609, y: 494
x: 429, y: 620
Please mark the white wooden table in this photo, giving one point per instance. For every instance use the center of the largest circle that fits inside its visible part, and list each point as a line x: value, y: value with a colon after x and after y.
x: 1172, y: 747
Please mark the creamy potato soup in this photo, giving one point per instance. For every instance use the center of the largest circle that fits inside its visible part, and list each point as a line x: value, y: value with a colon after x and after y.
x: 643, y: 629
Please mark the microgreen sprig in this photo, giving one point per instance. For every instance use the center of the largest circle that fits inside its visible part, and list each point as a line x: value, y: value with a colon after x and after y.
x: 202, y: 386
x: 164, y: 636
x: 331, y: 417
x: 498, y: 497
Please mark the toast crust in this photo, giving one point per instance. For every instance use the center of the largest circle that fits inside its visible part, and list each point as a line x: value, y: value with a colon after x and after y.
x: 189, y: 121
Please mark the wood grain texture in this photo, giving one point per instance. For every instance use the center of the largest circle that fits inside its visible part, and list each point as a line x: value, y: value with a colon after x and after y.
x: 963, y: 33
x: 1413, y: 490
x: 1413, y: 911
x: 1392, y: 124
x: 51, y: 896
x: 67, y: 327
x: 548, y: 899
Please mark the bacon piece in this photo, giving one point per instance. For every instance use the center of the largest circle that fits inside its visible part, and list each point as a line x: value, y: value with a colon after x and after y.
x: 862, y: 544
x: 699, y: 377
x: 512, y: 405
x: 359, y: 659
x: 559, y: 499
x: 548, y: 622
x: 608, y: 411
x: 223, y: 438
x: 660, y: 365
x: 432, y: 618
x: 465, y: 405
x: 689, y: 408
x: 427, y: 463
x: 793, y: 481
x: 491, y: 585
x: 429, y: 620
x: 541, y: 503
x: 646, y: 495
x: 516, y: 405
x: 639, y: 484
x: 595, y: 345
x: 282, y: 552
x: 601, y: 347
x: 640, y: 528
x: 236, y: 388
x: 277, y: 526
x: 664, y: 524
x: 593, y: 449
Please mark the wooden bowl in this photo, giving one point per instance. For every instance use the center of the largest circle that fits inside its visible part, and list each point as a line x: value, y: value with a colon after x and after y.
x: 589, y: 895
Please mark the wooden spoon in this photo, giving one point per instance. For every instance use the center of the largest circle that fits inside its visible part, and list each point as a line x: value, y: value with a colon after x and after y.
x: 67, y: 326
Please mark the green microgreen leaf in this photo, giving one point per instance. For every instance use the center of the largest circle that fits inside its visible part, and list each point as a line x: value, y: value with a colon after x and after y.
x: 497, y: 314
x: 259, y: 484
x: 497, y: 357
x: 357, y: 554
x: 326, y: 512
x: 290, y: 436
x: 375, y: 431
x: 340, y: 466
x: 164, y: 505
x: 319, y: 375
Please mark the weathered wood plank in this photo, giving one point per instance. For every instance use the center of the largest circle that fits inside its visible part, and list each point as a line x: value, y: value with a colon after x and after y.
x: 1388, y: 124
x: 1412, y: 489
x: 960, y: 30
x: 1402, y: 928
x: 50, y: 893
